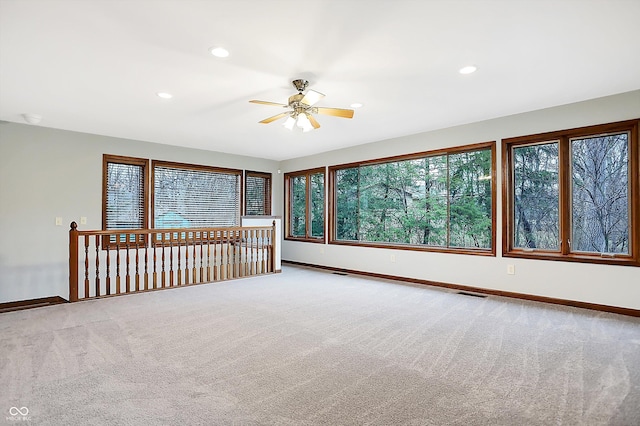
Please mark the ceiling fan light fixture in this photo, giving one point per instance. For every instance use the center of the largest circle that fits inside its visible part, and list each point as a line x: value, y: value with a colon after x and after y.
x: 303, y: 121
x: 307, y: 126
x: 289, y: 123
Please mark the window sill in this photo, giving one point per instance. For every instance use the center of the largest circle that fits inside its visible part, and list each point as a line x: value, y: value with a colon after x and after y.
x: 320, y: 240
x: 434, y: 249
x: 580, y: 258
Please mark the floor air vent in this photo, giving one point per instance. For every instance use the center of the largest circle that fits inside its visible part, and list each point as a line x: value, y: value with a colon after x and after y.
x: 472, y: 294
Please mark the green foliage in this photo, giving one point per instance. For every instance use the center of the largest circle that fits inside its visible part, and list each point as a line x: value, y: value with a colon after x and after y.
x: 298, y: 206
x: 301, y: 200
x: 418, y: 202
x: 536, y: 196
x: 317, y: 205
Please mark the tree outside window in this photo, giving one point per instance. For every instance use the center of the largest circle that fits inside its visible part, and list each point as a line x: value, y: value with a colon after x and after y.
x: 436, y: 200
x: 573, y: 195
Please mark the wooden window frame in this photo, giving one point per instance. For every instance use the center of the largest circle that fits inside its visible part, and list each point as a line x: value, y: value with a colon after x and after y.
x: 133, y: 161
x: 564, y: 138
x: 491, y: 145
x: 287, y: 202
x: 268, y: 193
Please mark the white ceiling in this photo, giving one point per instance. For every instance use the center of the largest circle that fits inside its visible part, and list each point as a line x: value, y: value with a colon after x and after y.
x: 96, y: 66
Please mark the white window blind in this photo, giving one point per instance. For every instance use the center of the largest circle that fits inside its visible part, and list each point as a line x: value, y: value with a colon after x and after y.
x: 257, y: 194
x: 195, y: 198
x: 125, y: 196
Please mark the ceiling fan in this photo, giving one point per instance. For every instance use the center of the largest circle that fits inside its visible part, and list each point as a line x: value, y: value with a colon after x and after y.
x: 300, y: 108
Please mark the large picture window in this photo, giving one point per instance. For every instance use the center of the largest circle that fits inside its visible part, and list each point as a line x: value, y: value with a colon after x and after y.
x: 305, y: 195
x: 441, y: 200
x: 189, y: 196
x: 573, y: 195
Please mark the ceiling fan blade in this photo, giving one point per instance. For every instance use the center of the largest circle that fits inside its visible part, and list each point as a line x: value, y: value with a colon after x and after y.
x: 336, y: 112
x: 313, y: 121
x: 274, y: 118
x: 267, y: 103
x: 311, y: 97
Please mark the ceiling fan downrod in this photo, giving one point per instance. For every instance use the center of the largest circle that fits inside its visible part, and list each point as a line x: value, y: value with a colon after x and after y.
x: 300, y: 85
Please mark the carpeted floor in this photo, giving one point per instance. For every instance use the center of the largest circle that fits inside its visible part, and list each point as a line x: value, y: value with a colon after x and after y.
x: 308, y: 347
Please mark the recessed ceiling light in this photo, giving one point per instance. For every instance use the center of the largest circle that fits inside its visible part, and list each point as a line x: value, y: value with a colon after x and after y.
x: 468, y: 69
x: 219, y: 52
x: 164, y: 95
x: 356, y: 105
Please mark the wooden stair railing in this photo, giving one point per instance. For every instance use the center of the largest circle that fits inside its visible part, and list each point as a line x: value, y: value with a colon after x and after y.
x: 127, y: 261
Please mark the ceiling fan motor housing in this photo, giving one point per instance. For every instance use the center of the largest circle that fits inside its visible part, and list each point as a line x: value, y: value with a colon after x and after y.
x: 296, y: 104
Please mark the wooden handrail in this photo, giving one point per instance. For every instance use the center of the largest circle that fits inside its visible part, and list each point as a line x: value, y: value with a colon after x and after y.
x: 165, y: 230
x: 171, y: 257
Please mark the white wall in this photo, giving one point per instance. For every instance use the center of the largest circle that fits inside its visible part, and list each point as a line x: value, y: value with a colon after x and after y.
x: 47, y: 173
x: 601, y: 284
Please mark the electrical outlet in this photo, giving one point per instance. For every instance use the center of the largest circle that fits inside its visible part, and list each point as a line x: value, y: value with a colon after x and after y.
x: 58, y: 221
x: 511, y: 269
x: 393, y: 258
x: 83, y: 220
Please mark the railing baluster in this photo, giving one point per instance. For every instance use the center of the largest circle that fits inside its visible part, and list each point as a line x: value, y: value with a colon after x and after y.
x: 186, y: 258
x: 254, y: 247
x: 153, y: 239
x: 269, y: 240
x: 234, y: 249
x: 105, y: 241
x: 229, y: 255
x: 137, y: 269
x: 194, y: 267
x: 163, y: 271
x: 208, y: 256
x: 215, y: 256
x: 86, y: 266
x: 118, y: 264
x: 262, y: 235
x: 272, y: 246
x: 171, y: 260
x: 146, y: 265
x: 179, y: 269
x: 128, y: 277
x: 201, y: 257
x: 237, y: 252
x: 97, y: 284
x: 245, y: 236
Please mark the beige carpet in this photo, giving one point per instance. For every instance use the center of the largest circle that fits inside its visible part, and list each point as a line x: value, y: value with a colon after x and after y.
x: 308, y: 347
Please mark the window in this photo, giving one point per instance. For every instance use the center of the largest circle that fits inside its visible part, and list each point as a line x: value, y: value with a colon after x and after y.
x: 305, y: 205
x: 573, y: 195
x: 124, y: 193
x: 257, y: 193
x: 442, y: 200
x: 189, y: 196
